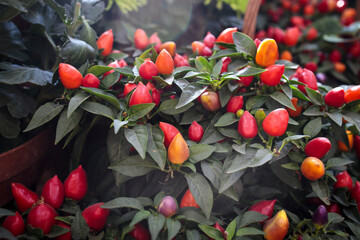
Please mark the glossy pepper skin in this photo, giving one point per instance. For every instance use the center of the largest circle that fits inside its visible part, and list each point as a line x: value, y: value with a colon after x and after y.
x: 320, y: 216
x: 276, y: 122
x: 105, y: 42
x: 188, y: 200
x: 335, y: 97
x: 277, y: 227
x: 265, y: 207
x: 140, y: 232
x: 318, y: 147
x: 14, y: 224
x: 247, y: 126
x: 24, y: 197
x: 235, y: 103
x: 169, y: 132
x: 70, y: 77
x: 65, y: 236
x: 95, y: 216
x: 53, y: 192
x: 75, y: 185
x: 272, y: 75
x: 42, y: 216
x: 140, y: 95
x: 343, y: 180
x: 167, y: 206
x: 196, y: 132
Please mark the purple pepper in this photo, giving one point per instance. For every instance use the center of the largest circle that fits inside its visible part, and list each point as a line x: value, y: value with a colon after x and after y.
x: 321, y: 77
x: 168, y: 206
x: 320, y: 216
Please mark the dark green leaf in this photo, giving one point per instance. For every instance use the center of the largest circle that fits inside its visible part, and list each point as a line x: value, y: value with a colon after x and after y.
x: 199, y: 152
x: 313, y: 111
x: 231, y: 228
x: 226, y: 120
x: 353, y: 118
x: 201, y: 191
x: 203, y: 65
x: 244, y: 44
x: 98, y: 70
x: 118, y: 124
x: 12, y: 44
x: 66, y: 125
x: 155, y: 146
x: 189, y: 93
x: 249, y: 71
x: 60, y: 10
x: 211, y: 231
x: 315, y: 96
x: 138, y: 111
x: 224, y: 95
x: 139, y: 216
x: 212, y: 171
x: 173, y: 227
x: 79, y: 228
x: 57, y: 231
x: 261, y: 157
x: 255, y: 102
x: 193, y: 235
x: 77, y: 52
x: 182, y: 70
x: 134, y: 166
x: 282, y: 99
x: 76, y: 101
x: 138, y: 137
x: 225, y: 53
x: 5, y: 234
x: 217, y: 69
x: 191, y: 115
x: 195, y: 216
x: 313, y: 127
x: 336, y: 116
x: 44, y: 114
x: 169, y: 107
x: 294, y: 138
x: 98, y: 109
x: 15, y: 74
x: 110, y: 80
x: 246, y: 231
x: 156, y: 223
x: 164, y: 82
x: 6, y: 212
x: 103, y: 95
x: 321, y: 190
x: 123, y: 202
x: 355, y: 228
x: 242, y: 161
x: 285, y: 175
x: 337, y: 162
x: 192, y: 74
x: 249, y: 217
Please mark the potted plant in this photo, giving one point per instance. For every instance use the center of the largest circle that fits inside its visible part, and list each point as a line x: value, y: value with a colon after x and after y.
x: 224, y: 142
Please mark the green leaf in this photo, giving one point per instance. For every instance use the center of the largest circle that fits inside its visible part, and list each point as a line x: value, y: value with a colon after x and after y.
x: 354, y: 118
x: 88, y: 34
x: 231, y: 228
x: 98, y: 109
x: 76, y: 101
x: 169, y: 107
x: 110, y: 80
x: 242, y: 161
x: 193, y: 235
x: 58, y: 9
x: 5, y: 234
x: 321, y: 190
x: 337, y: 162
x: 125, y: 71
x: 249, y: 231
x: 5, y: 212
x: 44, y: 114
x: 249, y: 217
x: 103, y: 95
x: 79, y: 228
x: 134, y: 166
x: 203, y: 65
x: 12, y: 43
x: 189, y: 93
x: 212, y: 171
x: 249, y: 71
x: 285, y: 175
x: 201, y: 191
x: 225, y: 53
x: 138, y: 111
x: 217, y: 69
x: 139, y: 216
x: 224, y: 95
x: 66, y: 125
x: 294, y: 138
x: 155, y: 146
x: 211, y: 231
x: 15, y: 74
x: 313, y: 127
x: 328, y: 25
x: 98, y: 70
x: 199, y: 152
x: 77, y: 52
x: 190, y: 116
x: 226, y: 120
x: 57, y: 231
x: 138, y: 137
x: 336, y: 116
x: 195, y: 216
x: 261, y: 157
x: 291, y: 166
x: 255, y: 102
x: 229, y: 179
x: 173, y: 227
x: 193, y: 74
x: 156, y: 223
x: 164, y: 82
x: 313, y: 111
x: 123, y: 202
x: 315, y: 96
x: 118, y: 124
x: 244, y: 44
x: 354, y: 227
x: 282, y: 99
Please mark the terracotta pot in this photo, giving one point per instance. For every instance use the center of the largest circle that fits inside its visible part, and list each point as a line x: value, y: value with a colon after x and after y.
x: 23, y: 164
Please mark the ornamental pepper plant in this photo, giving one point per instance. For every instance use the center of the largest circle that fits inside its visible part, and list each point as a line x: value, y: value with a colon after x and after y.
x: 182, y: 143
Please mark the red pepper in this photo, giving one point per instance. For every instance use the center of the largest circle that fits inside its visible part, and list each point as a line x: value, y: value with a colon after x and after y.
x: 343, y: 180
x: 24, y: 197
x: 75, y: 185
x: 14, y: 224
x: 42, y: 216
x: 275, y: 124
x: 247, y: 126
x: 53, y: 192
x: 335, y: 97
x: 96, y: 216
x: 196, y: 132
x: 318, y: 147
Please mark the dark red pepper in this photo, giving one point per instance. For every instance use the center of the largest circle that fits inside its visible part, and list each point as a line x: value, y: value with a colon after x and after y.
x: 24, y: 197
x: 196, y: 132
x: 53, y: 192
